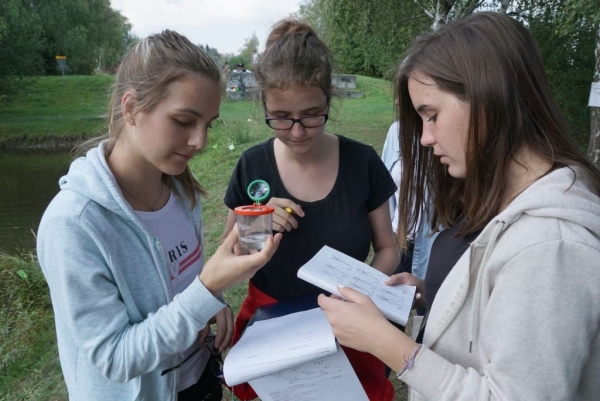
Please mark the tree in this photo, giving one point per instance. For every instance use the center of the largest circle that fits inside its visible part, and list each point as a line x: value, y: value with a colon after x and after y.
x: 110, y: 33
x: 366, y: 37
x: 576, y: 13
x: 247, y: 49
x: 89, y: 32
x: 568, y: 61
x: 571, y: 19
x: 20, y: 44
x: 32, y: 32
x: 442, y: 11
x: 369, y: 37
x: 313, y: 12
x: 214, y: 53
x: 594, y: 146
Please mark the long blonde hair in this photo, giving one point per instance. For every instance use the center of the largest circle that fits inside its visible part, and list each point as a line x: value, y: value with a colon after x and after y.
x: 149, y: 68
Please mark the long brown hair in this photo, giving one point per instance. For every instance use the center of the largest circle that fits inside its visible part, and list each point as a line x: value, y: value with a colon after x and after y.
x: 491, y: 62
x: 149, y: 68
x: 294, y: 57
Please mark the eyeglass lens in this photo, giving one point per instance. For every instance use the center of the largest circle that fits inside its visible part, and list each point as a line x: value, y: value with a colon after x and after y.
x: 306, y: 122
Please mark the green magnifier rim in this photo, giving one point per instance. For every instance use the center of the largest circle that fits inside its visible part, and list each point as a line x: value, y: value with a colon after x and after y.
x: 264, y: 196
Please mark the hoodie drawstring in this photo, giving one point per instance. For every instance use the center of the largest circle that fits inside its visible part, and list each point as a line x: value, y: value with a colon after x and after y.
x: 476, y: 295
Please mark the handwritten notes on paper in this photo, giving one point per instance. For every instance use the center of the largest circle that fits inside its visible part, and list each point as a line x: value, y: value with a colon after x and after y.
x: 327, y: 379
x: 270, y: 346
x: 329, y: 267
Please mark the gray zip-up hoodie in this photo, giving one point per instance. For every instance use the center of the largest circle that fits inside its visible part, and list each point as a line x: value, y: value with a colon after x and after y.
x: 117, y: 322
x: 518, y: 316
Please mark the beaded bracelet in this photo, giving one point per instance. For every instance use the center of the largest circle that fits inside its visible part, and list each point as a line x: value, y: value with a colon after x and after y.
x: 410, y: 361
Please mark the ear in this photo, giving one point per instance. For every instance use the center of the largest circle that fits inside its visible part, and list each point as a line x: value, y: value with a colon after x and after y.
x: 128, y: 102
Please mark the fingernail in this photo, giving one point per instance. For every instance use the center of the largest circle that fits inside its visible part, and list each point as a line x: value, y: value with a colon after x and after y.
x: 341, y: 286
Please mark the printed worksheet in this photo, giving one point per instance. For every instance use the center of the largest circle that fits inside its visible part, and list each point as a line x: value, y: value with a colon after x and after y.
x: 327, y: 379
x: 269, y: 346
x: 329, y: 267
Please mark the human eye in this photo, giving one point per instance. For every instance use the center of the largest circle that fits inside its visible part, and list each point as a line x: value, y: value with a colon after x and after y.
x: 280, y: 123
x: 433, y: 118
x: 314, y: 121
x: 182, y: 123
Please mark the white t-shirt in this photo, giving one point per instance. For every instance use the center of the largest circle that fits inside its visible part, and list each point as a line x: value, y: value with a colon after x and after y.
x: 183, y: 252
x: 395, y: 173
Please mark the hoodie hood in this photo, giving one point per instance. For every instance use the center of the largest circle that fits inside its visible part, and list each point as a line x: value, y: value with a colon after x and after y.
x: 564, y: 194
x: 90, y: 177
x: 518, y: 315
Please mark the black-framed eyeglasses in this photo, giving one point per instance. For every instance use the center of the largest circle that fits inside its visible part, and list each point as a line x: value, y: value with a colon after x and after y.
x: 216, y: 358
x: 307, y: 122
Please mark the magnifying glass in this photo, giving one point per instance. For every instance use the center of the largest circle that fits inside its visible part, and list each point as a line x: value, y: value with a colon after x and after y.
x: 258, y: 190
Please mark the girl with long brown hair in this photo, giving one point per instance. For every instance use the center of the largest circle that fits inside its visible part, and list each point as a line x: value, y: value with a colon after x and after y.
x: 517, y: 316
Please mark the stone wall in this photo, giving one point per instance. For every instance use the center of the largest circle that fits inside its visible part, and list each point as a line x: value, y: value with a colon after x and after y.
x: 238, y: 79
x: 246, y: 81
x: 343, y: 81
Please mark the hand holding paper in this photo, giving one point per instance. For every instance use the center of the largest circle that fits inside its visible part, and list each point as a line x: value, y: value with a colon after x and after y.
x: 353, y: 323
x: 293, y: 357
x: 329, y: 267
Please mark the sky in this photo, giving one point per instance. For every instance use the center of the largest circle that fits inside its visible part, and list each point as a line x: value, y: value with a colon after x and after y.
x: 222, y: 24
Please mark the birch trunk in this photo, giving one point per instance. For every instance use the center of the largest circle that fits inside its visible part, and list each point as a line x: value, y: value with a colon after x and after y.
x: 594, y: 147
x: 504, y: 6
x: 441, y: 14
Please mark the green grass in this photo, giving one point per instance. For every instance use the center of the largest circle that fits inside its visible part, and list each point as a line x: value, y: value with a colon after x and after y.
x: 29, y: 366
x: 58, y: 109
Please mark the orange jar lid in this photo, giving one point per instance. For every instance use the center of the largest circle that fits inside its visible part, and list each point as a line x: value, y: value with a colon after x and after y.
x: 253, y: 210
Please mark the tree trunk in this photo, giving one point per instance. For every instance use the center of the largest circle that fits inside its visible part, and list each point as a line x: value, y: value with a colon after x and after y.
x: 594, y: 147
x: 504, y: 6
x: 441, y: 14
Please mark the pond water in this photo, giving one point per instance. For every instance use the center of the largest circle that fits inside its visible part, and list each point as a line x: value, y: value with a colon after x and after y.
x: 28, y: 182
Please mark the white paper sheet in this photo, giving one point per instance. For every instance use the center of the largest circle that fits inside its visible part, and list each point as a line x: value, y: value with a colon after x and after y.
x: 328, y: 379
x: 329, y: 267
x: 269, y: 346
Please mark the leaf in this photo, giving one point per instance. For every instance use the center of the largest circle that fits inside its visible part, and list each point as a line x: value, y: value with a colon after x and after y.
x: 22, y: 273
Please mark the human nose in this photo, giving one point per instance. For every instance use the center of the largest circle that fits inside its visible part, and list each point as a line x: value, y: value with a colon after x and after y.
x: 427, y: 138
x: 197, y: 139
x: 297, y: 129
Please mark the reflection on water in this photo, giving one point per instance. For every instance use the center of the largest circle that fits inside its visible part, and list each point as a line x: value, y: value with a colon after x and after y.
x: 28, y: 182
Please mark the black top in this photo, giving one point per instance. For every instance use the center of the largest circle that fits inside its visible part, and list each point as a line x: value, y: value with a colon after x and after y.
x: 447, y: 248
x: 340, y: 220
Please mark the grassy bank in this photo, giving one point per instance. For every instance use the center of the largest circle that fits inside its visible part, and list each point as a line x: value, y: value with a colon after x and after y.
x: 63, y: 109
x: 56, y: 110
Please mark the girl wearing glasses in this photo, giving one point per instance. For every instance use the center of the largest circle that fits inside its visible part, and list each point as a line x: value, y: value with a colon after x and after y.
x: 336, y: 189
x: 517, y: 316
x: 121, y: 245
